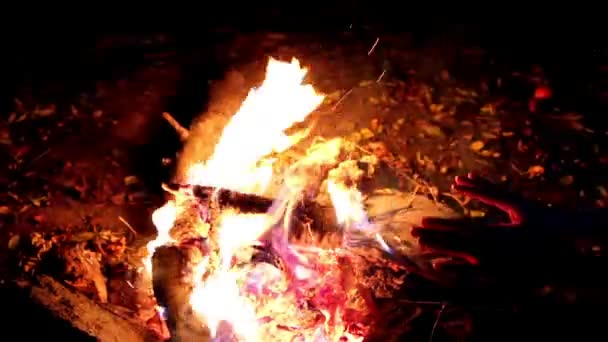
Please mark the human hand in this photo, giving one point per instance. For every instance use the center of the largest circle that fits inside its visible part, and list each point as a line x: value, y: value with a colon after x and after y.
x: 531, y: 246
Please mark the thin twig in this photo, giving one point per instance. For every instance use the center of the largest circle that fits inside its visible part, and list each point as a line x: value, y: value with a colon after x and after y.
x: 443, y: 306
x: 181, y: 131
x: 342, y: 99
x: 127, y: 224
x: 39, y: 157
x: 373, y: 46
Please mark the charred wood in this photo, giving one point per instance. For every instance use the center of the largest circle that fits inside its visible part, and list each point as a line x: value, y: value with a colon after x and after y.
x: 248, y: 203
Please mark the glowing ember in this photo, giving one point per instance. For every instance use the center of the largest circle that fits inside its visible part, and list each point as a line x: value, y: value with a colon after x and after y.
x: 306, y: 295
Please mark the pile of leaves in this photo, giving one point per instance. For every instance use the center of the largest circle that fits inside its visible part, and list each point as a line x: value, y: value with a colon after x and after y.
x: 95, y: 262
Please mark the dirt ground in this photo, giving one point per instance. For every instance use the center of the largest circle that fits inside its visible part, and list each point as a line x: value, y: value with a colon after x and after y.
x: 92, y: 150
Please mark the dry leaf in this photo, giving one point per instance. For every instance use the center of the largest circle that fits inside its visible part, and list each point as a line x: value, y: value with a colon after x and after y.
x: 430, y: 130
x: 5, y: 136
x: 566, y: 180
x: 5, y: 210
x: 45, y: 111
x: 536, y: 170
x: 374, y: 123
x: 366, y: 133
x: 334, y: 96
x: 488, y: 135
x: 435, y: 108
x: 476, y: 213
x: 488, y: 109
x: 477, y: 145
x: 355, y: 137
x: 14, y: 241
x: 130, y: 180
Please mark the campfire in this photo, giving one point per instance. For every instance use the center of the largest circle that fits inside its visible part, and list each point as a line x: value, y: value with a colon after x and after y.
x: 271, y: 262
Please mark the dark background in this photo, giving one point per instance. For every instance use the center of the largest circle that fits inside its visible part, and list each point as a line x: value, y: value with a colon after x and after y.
x: 54, y: 53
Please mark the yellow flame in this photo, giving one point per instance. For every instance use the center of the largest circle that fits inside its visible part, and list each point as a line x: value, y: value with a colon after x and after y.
x: 163, y: 219
x: 257, y: 130
x: 241, y: 162
x: 346, y: 198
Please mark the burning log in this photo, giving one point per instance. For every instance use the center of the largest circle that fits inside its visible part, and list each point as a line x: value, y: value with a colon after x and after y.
x: 227, y: 198
x: 172, y: 288
x: 85, y: 314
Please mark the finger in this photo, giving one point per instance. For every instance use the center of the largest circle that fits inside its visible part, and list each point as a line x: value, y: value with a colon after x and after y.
x: 464, y: 181
x: 477, y: 182
x: 454, y: 257
x: 497, y: 200
x: 456, y: 267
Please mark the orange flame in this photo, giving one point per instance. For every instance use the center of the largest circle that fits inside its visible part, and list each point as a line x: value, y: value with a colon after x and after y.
x: 226, y: 293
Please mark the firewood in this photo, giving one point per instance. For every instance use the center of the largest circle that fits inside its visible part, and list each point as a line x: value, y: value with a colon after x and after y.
x: 228, y: 198
x: 181, y: 131
x: 85, y: 314
x: 172, y: 287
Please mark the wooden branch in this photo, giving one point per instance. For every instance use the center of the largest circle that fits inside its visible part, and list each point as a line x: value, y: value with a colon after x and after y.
x: 85, y: 314
x: 181, y: 131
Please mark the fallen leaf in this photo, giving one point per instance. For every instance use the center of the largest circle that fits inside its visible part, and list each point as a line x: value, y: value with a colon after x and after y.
x: 536, y: 170
x: 119, y: 199
x: 488, y: 109
x: 435, y: 108
x: 366, y: 133
x: 14, y: 241
x: 84, y: 236
x: 45, y: 111
x: 355, y: 137
x: 477, y: 145
x: 476, y: 213
x: 566, y: 180
x: 5, y: 210
x: 130, y: 180
x: 374, y: 123
x: 38, y: 201
x: 430, y: 129
x: 5, y: 137
x: 488, y: 135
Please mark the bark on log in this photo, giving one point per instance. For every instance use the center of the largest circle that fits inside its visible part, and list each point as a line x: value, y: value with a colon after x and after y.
x: 85, y: 314
x: 172, y: 288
